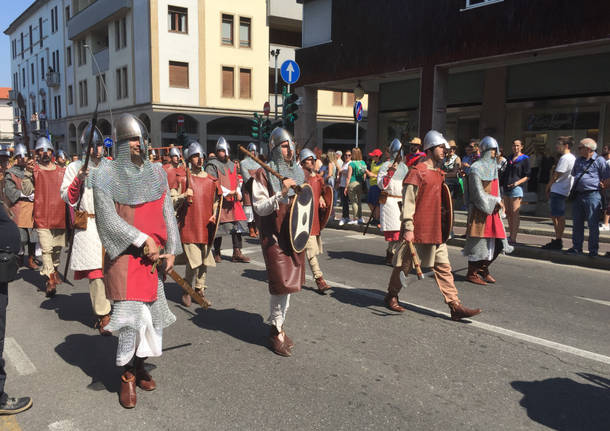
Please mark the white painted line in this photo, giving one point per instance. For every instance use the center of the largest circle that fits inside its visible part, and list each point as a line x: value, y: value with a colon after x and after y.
x: 65, y: 425
x: 597, y: 301
x: 17, y: 357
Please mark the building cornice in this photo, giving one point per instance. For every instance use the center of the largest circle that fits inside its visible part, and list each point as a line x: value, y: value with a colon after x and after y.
x: 25, y: 15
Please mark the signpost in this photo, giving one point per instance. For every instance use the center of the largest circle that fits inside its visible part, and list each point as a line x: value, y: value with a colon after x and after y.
x: 290, y: 72
x: 357, y: 117
x: 108, y: 142
x: 266, y: 109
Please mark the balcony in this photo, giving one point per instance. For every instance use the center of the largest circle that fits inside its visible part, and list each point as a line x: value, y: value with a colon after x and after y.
x: 284, y: 15
x: 95, y: 14
x: 102, y: 59
x: 52, y: 79
x: 12, y: 95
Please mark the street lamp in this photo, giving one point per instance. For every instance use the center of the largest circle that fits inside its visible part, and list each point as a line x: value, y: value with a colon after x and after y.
x: 275, y: 53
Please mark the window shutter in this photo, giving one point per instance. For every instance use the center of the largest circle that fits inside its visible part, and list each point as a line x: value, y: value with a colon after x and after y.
x: 227, y: 82
x: 178, y: 74
x: 245, y: 78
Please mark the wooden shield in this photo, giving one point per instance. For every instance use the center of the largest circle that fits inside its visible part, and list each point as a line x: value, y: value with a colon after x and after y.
x: 446, y: 212
x: 325, y: 213
x: 301, y: 218
x: 213, y: 228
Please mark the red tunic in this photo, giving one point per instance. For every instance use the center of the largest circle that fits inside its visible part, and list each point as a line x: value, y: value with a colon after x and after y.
x: 23, y: 209
x: 129, y: 277
x: 232, y: 210
x: 194, y: 227
x: 427, y: 218
x: 174, y: 175
x: 483, y: 225
x: 49, y: 208
x: 316, y: 182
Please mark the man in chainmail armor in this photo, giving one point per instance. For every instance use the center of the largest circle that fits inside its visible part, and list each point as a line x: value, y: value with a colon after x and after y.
x: 248, y: 166
x: 137, y: 226
x: 485, y: 235
x: 271, y: 201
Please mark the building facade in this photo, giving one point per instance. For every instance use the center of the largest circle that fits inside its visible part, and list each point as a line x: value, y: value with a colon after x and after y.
x: 508, y: 68
x: 7, y: 132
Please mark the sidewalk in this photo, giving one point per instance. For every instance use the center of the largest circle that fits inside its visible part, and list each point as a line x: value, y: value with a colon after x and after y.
x: 533, y: 233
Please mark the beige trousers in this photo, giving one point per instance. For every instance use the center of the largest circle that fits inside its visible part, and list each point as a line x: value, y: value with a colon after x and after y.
x: 312, y: 250
x: 99, y: 302
x: 51, y: 242
x: 198, y: 260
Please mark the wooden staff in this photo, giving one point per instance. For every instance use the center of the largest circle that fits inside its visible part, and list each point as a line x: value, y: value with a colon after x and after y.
x: 415, y: 260
x: 266, y: 167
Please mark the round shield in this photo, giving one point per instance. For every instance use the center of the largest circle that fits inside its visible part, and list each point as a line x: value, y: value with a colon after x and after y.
x: 325, y: 213
x: 301, y: 218
x: 213, y: 228
x: 446, y: 212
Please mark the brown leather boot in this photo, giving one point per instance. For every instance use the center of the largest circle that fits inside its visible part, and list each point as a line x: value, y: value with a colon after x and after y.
x: 252, y: 229
x: 322, y: 285
x: 239, y: 257
x: 127, y: 396
x: 101, y: 322
x: 186, y: 300
x: 206, y: 301
x: 143, y: 378
x: 391, y: 301
x: 278, y: 347
x: 473, y: 273
x: 56, y: 276
x: 458, y: 311
x: 389, y: 256
x: 484, y: 272
x: 51, y: 287
x: 31, y: 263
x: 217, y: 257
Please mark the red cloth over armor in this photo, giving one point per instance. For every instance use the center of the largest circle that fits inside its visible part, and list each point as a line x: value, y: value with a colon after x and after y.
x: 316, y: 182
x: 174, y: 175
x: 427, y: 218
x: 194, y: 227
x: 493, y: 224
x: 49, y: 208
x: 129, y: 277
x: 231, y: 210
x: 23, y: 209
x: 414, y: 159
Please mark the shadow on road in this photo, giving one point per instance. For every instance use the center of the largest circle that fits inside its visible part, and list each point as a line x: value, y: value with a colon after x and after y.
x: 357, y: 256
x: 255, y: 274
x: 75, y: 307
x: 95, y: 356
x: 33, y: 277
x: 563, y: 404
x: 244, y: 326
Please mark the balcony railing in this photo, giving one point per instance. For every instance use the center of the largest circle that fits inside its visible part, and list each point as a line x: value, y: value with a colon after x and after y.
x: 52, y: 79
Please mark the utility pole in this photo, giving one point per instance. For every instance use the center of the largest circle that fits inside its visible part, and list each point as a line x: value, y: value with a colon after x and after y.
x: 275, y: 54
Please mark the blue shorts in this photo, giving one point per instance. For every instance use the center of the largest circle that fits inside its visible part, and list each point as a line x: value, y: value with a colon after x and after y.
x: 373, y: 195
x: 516, y: 192
x: 558, y: 205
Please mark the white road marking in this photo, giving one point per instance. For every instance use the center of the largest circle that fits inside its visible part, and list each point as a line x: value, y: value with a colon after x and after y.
x: 485, y: 326
x: 17, y: 357
x: 65, y: 425
x: 597, y: 301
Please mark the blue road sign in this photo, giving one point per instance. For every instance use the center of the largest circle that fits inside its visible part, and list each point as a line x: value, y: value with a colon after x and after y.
x: 358, y: 111
x: 108, y: 142
x: 290, y: 71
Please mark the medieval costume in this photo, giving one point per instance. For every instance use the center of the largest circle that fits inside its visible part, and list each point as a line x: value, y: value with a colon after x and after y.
x: 314, y: 244
x: 390, y: 180
x: 285, y: 267
x: 87, y: 253
x: 196, y: 209
x: 248, y: 167
x: 49, y: 211
x: 232, y: 215
x: 485, y: 235
x: 175, y: 170
x: 421, y: 215
x: 132, y: 209
x: 21, y: 206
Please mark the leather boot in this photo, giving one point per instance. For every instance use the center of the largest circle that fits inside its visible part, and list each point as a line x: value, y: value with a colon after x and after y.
x: 56, y: 276
x: 391, y: 302
x: 484, y: 272
x: 217, y: 257
x: 389, y: 256
x: 206, y: 301
x: 239, y: 257
x: 143, y: 378
x: 127, y: 396
x: 458, y: 311
x: 101, y: 322
x: 186, y: 300
x: 252, y: 229
x: 31, y: 263
x: 322, y: 285
x: 473, y: 273
x: 51, y: 287
x: 278, y: 347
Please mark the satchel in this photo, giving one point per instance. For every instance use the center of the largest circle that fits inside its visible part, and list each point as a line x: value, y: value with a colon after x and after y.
x: 8, y: 265
x: 80, y: 219
x: 572, y: 194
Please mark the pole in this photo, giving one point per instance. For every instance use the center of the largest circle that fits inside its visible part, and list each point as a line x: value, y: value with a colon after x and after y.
x: 356, y: 134
x: 275, y: 56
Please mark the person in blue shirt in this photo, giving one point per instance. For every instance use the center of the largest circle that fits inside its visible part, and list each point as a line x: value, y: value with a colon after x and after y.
x: 590, y: 171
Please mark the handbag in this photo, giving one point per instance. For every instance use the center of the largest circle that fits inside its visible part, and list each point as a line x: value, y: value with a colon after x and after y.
x: 80, y: 219
x: 8, y: 265
x: 572, y: 194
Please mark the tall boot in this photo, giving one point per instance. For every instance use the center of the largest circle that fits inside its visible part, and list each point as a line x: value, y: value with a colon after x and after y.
x: 51, y: 287
x: 458, y: 311
x: 143, y: 378
x: 239, y: 257
x: 394, y: 286
x: 31, y: 263
x: 473, y: 273
x: 127, y: 396
x: 484, y: 272
x: 252, y: 230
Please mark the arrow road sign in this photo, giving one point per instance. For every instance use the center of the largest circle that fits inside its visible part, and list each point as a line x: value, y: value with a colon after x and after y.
x: 290, y: 71
x: 108, y: 142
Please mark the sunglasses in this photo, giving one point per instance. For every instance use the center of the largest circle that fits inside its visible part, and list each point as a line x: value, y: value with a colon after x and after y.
x: 348, y: 155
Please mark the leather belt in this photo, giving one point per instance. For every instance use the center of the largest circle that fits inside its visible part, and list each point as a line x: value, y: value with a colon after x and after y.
x: 134, y: 251
x: 395, y: 196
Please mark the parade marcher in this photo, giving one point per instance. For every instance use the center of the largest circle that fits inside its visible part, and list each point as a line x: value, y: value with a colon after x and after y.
x: 87, y: 253
x: 485, y: 235
x: 232, y: 215
x: 416, y: 154
x: 175, y: 169
x: 422, y: 226
x: 390, y: 181
x: 137, y: 226
x: 21, y: 206
x: 62, y: 159
x: 271, y: 200
x: 314, y: 244
x: 248, y: 167
x: 49, y: 210
x: 196, y: 205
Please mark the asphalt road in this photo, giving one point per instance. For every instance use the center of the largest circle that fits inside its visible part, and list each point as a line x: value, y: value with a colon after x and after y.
x: 537, y: 358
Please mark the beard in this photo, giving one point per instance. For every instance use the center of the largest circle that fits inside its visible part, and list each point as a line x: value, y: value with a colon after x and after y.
x: 45, y: 158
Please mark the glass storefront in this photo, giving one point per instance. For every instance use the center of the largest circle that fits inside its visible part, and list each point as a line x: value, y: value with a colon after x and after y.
x: 397, y: 125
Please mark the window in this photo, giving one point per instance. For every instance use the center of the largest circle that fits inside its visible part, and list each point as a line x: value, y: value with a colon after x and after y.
x: 44, y: 106
x: 23, y: 77
x: 471, y: 4
x: 56, y: 61
x: 121, y: 83
x: 42, y: 68
x: 350, y: 99
x: 120, y: 33
x: 125, y: 92
x: 16, y: 81
x: 67, y: 14
x: 69, y: 56
x: 82, y: 52
x: 245, y: 80
x: 32, y: 72
x: 70, y: 95
x: 227, y: 29
x: 14, y: 48
x: 100, y: 92
x: 227, y: 82
x: 54, y: 20
x: 40, y: 30
x: 244, y: 32
x: 178, y: 74
x: 31, y: 41
x: 82, y: 90
x: 57, y: 105
x: 177, y: 18
x: 22, y: 46
x: 337, y: 98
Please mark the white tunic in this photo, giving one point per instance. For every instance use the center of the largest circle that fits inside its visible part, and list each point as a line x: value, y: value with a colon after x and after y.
x: 87, y: 248
x: 390, y: 211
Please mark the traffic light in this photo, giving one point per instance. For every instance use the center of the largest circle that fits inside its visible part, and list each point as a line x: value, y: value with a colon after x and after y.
x: 257, y: 131
x: 266, y: 130
x: 289, y: 111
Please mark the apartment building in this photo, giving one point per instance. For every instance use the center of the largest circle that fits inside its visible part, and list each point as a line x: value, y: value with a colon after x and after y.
x: 6, y: 117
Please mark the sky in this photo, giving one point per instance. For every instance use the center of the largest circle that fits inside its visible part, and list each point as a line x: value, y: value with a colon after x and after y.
x: 10, y: 9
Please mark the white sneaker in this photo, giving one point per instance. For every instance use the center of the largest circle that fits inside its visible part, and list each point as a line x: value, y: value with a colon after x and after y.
x: 354, y: 221
x: 604, y: 228
x: 361, y: 221
x: 341, y: 222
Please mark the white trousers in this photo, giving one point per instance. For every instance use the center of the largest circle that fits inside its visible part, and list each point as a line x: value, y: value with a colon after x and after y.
x: 278, y: 305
